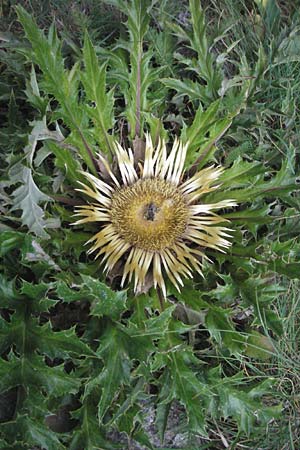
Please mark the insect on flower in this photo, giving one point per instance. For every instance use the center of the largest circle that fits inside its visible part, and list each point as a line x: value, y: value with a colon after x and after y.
x: 152, y: 218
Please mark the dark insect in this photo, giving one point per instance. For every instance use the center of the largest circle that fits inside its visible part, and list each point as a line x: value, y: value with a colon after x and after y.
x: 151, y: 210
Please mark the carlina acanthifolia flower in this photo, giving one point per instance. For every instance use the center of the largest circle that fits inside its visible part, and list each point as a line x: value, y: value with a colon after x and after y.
x: 152, y: 218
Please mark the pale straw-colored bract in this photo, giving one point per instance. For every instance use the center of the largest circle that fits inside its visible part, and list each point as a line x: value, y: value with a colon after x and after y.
x: 151, y: 218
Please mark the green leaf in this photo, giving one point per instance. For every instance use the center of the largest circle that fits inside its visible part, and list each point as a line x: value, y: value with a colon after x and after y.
x: 226, y: 292
x: 27, y: 198
x: 204, y: 64
x: 157, y: 326
x: 8, y: 292
x: 241, y: 172
x: 203, y: 120
x: 207, y: 150
x: 259, y: 346
x: 69, y: 295
x: 222, y: 330
x: 40, y: 132
x: 127, y: 413
x: 94, y: 81
x: 163, y: 407
x: 116, y: 372
x: 191, y: 296
x: 39, y: 434
x: 199, y: 43
x: 105, y: 301
x: 6, y: 446
x: 281, y: 185
x: 240, y: 405
x: 37, y: 294
x: 257, y: 292
x: 28, y: 432
x: 203, y: 134
x: 136, y: 77
x: 291, y: 270
x: 7, y: 335
x: 195, y: 91
x: 88, y: 435
x: 33, y: 252
x: 253, y: 217
x: 33, y: 93
x: 60, y: 344
x: 56, y: 380
x: 66, y: 160
x: 9, y: 240
x: 32, y: 373
x: 59, y: 82
x: 185, y: 387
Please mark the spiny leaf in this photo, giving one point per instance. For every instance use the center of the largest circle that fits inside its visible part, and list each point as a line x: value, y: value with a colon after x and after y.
x: 155, y: 327
x: 135, y: 83
x: 59, y: 82
x: 33, y: 93
x: 66, y: 160
x: 204, y: 64
x: 94, y: 81
x: 33, y: 373
x: 33, y: 252
x: 89, y: 435
x: 221, y: 329
x: 281, y: 185
x: 194, y: 90
x: 26, y: 432
x: 4, y: 445
x: 203, y: 134
x: 203, y: 120
x: 7, y: 334
x: 10, y: 240
x: 200, y: 44
x: 252, y: 217
x: 36, y: 295
x: 241, y: 172
x: 238, y: 404
x: 127, y: 413
x: 226, y: 292
x: 60, y: 344
x: 116, y: 372
x: 105, y: 301
x: 40, y: 132
x: 27, y: 198
x: 258, y: 293
x: 56, y: 380
x: 185, y: 387
x: 291, y: 270
x: 8, y: 292
x: 38, y: 433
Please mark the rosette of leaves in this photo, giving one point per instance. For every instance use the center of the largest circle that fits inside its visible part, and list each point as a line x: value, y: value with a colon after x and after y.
x: 81, y: 357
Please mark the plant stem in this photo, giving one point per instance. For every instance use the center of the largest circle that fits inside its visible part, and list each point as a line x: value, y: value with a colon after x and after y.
x: 161, y: 298
x: 138, y: 93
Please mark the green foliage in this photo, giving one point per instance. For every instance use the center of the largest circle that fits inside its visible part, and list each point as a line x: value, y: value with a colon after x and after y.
x: 203, y: 63
x: 94, y: 82
x: 81, y: 359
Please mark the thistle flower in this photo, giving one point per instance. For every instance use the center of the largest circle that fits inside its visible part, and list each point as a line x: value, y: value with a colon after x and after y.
x: 152, y: 218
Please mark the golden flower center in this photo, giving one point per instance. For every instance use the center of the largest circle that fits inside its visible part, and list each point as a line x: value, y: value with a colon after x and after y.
x: 150, y: 214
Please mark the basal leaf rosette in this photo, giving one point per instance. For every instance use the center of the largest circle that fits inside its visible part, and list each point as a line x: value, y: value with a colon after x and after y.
x: 151, y: 216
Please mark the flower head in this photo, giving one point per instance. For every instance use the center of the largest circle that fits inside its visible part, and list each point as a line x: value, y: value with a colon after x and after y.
x: 152, y: 217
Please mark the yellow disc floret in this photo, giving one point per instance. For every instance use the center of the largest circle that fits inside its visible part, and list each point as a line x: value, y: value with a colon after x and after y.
x: 150, y: 214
